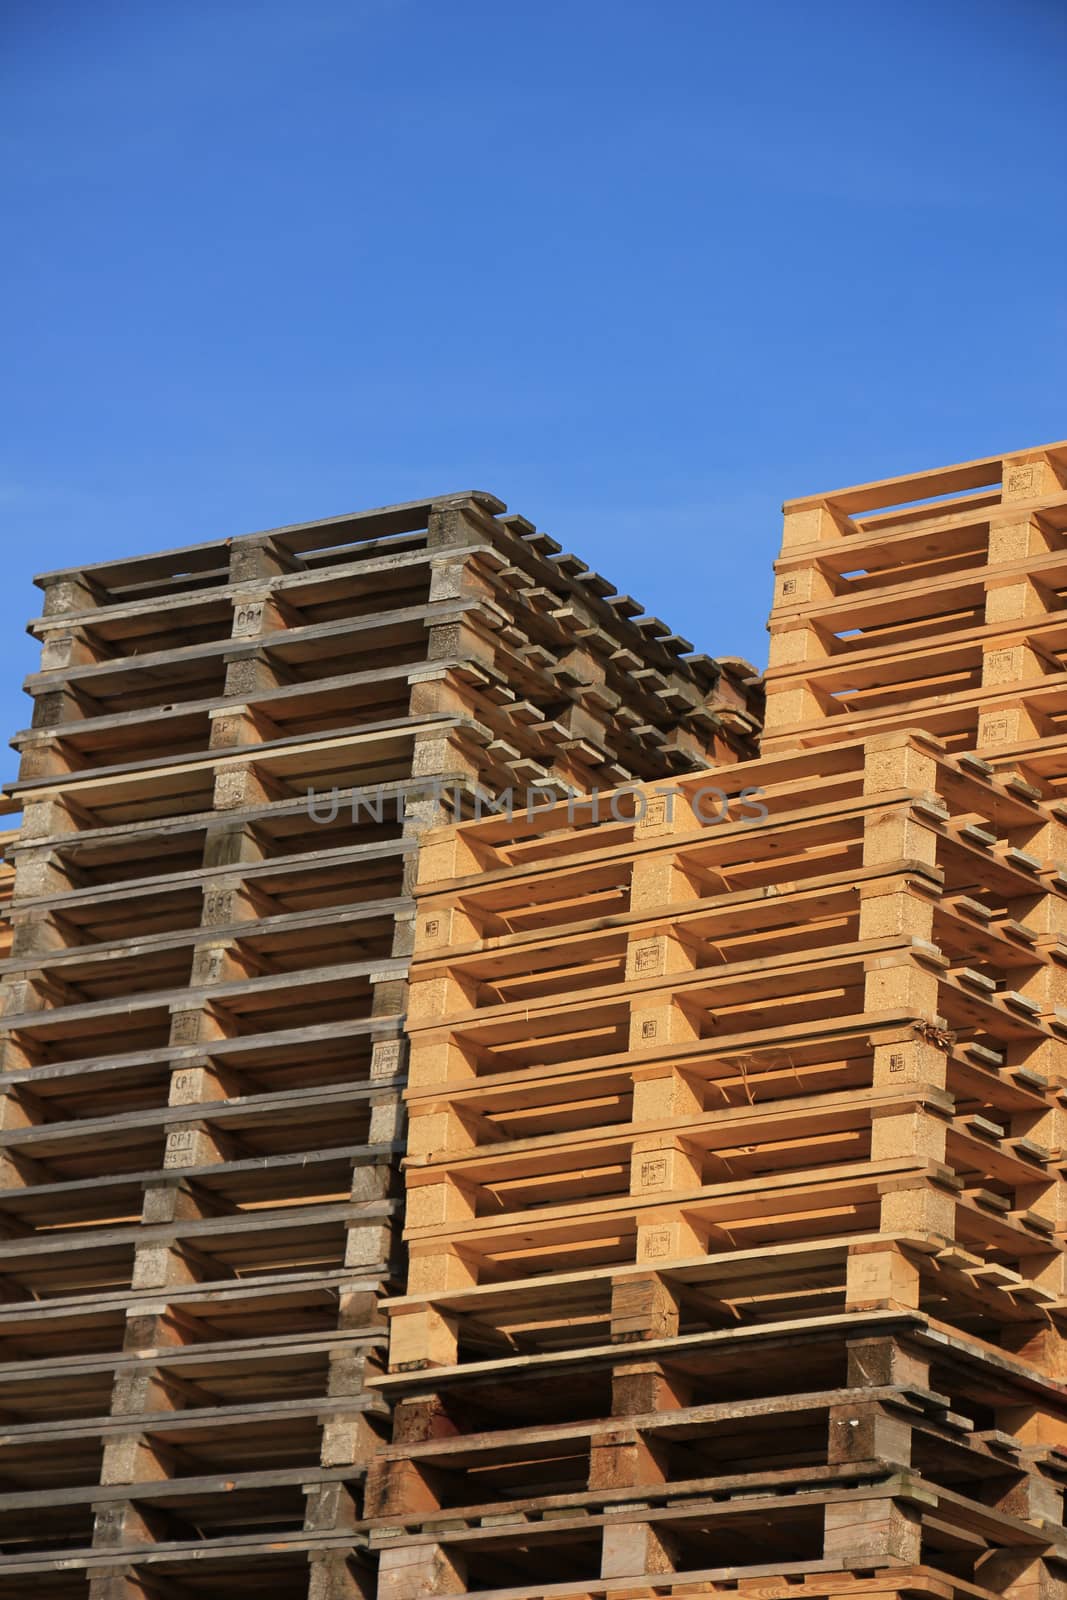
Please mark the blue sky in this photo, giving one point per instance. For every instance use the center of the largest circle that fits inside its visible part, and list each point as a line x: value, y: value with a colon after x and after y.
x: 641, y: 270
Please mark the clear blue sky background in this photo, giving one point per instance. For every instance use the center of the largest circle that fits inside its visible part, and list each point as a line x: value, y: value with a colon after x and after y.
x: 640, y: 269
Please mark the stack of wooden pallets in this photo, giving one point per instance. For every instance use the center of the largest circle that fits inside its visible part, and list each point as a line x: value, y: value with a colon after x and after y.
x: 933, y: 601
x: 735, y: 1192
x: 203, y: 1055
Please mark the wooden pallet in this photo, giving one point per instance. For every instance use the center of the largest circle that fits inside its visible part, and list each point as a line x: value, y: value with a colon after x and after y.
x: 615, y: 1441
x: 934, y: 601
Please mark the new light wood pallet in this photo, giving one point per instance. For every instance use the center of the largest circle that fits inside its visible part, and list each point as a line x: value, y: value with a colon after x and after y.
x: 200, y: 1114
x: 692, y: 1084
x: 934, y: 601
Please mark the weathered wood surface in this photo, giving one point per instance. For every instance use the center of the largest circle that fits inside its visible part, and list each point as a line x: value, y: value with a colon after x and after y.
x: 203, y: 992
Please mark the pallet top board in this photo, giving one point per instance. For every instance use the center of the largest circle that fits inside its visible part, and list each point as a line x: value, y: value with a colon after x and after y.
x: 120, y: 624
x: 934, y: 484
x: 409, y: 516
